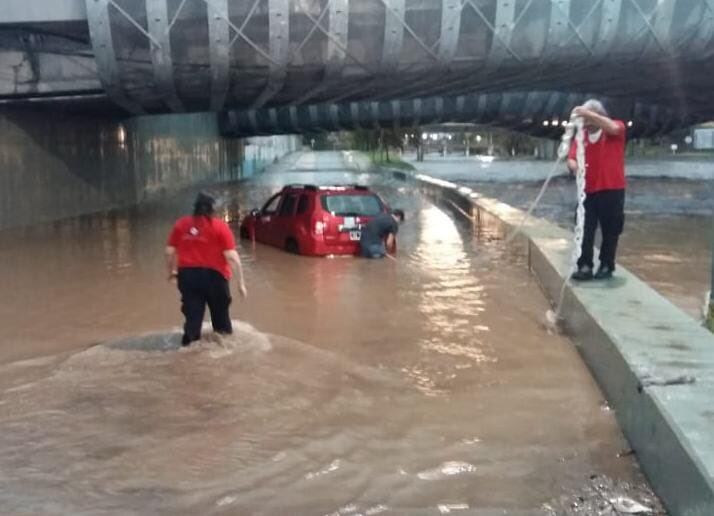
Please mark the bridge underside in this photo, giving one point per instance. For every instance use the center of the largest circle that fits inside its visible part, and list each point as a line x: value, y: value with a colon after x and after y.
x: 537, y: 113
x: 649, y: 58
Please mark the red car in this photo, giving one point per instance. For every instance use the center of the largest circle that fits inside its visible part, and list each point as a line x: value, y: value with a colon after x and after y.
x: 314, y: 220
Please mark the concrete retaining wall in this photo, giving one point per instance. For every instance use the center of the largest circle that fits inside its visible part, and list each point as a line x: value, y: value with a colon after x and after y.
x: 52, y: 168
x: 57, y: 165
x: 654, y: 363
x: 261, y: 151
x: 169, y: 152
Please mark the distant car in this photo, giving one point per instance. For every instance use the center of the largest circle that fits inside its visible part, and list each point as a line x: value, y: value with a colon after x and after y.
x: 314, y: 220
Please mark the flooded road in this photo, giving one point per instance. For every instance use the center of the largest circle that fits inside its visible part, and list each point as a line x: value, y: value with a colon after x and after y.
x: 425, y: 385
x: 668, y: 230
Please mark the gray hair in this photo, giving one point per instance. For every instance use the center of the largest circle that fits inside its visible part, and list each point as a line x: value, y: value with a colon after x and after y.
x: 595, y: 105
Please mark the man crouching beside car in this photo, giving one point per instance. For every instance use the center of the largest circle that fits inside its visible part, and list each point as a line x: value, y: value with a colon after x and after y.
x: 378, y: 237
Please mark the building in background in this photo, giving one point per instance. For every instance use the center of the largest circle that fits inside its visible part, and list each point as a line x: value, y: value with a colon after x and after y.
x: 703, y: 137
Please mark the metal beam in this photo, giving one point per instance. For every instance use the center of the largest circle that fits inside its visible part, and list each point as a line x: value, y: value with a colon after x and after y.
x: 450, y: 29
x: 609, y: 16
x: 219, y: 38
x: 161, y: 59
x: 279, y: 40
x: 705, y: 31
x: 503, y: 31
x: 508, y: 109
x: 354, y: 113
x: 338, y: 26
x: 662, y: 24
x: 34, y: 11
x: 557, y: 30
x: 101, y: 34
x: 393, y: 34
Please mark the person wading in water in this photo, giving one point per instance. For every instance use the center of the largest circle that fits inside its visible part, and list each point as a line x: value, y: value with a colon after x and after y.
x: 201, y: 254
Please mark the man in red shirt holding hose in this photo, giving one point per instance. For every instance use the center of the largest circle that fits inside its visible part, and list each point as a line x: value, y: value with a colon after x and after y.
x: 605, y: 184
x: 200, y: 253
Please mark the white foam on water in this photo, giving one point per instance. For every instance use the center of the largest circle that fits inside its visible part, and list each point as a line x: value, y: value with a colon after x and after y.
x: 474, y: 440
x: 333, y: 466
x: 354, y: 510
x: 446, y: 508
x: 446, y: 469
x: 226, y: 500
x: 279, y: 456
x: 244, y: 339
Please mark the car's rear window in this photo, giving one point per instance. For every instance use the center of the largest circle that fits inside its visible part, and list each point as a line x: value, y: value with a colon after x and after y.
x: 352, y: 205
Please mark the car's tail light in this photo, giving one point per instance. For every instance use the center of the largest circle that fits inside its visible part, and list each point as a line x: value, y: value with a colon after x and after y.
x: 319, y: 227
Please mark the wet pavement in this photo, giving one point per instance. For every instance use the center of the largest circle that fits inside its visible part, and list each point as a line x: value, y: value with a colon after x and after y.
x: 668, y: 229
x: 426, y: 385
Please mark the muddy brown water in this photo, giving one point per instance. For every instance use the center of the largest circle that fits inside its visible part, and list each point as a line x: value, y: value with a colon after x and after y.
x: 668, y: 230
x: 426, y: 385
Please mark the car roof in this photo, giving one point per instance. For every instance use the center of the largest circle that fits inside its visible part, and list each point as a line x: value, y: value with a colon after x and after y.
x: 352, y: 189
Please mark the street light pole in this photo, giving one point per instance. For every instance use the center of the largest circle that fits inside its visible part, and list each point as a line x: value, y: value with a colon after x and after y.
x: 709, y: 320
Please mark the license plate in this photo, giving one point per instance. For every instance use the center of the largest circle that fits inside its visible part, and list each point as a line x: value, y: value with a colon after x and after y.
x: 355, y: 235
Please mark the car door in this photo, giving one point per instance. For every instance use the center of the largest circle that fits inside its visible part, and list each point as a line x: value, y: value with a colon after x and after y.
x: 284, y: 219
x: 265, y: 222
x: 301, y: 227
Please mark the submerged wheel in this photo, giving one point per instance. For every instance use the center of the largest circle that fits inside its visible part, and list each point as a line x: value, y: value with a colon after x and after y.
x: 291, y: 246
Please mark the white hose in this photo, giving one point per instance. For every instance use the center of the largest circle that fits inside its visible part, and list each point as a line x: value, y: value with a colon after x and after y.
x: 573, y: 129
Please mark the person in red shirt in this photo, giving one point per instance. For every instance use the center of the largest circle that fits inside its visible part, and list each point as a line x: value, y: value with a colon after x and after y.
x: 605, y: 184
x: 200, y: 253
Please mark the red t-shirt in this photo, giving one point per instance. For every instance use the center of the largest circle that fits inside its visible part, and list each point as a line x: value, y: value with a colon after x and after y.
x: 604, y: 161
x: 200, y: 242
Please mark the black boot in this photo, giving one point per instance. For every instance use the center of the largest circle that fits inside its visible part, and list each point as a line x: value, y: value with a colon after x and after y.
x: 604, y: 272
x: 584, y: 273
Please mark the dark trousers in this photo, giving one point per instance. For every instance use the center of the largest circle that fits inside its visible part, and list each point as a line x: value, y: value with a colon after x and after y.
x: 606, y: 208
x: 198, y: 287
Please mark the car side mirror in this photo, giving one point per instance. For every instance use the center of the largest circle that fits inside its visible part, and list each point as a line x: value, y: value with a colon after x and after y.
x: 254, y: 212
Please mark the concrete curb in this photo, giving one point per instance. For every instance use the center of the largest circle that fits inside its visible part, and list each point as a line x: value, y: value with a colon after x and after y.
x: 653, y: 362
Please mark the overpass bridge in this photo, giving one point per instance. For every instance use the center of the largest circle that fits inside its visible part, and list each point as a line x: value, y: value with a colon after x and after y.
x: 303, y: 64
